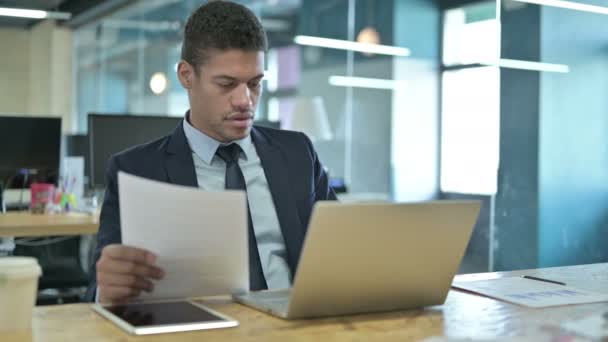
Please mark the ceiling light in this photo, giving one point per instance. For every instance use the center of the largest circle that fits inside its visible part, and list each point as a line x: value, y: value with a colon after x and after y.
x: 365, y: 82
x: 158, y: 83
x: 33, y: 14
x: 369, y: 35
x: 527, y: 65
x: 352, y: 46
x: 568, y: 5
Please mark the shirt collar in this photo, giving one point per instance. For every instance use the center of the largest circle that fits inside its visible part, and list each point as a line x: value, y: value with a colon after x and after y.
x: 205, y: 146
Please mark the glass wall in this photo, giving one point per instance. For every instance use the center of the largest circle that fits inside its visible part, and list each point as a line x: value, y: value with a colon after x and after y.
x: 525, y: 128
x: 501, y: 101
x: 126, y: 61
x: 554, y: 134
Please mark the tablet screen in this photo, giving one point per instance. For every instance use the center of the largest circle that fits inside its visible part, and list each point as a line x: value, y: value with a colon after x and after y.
x: 167, y: 313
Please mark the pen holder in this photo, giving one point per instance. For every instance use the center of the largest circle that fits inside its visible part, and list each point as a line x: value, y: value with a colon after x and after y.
x: 67, y: 202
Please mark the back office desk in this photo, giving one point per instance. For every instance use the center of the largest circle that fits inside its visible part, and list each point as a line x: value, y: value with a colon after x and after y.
x: 463, y: 315
x: 27, y: 224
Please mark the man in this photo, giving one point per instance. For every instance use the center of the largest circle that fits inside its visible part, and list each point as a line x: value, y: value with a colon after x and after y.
x: 216, y: 147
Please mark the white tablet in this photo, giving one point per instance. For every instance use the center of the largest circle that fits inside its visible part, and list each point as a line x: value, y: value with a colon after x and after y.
x: 163, y: 317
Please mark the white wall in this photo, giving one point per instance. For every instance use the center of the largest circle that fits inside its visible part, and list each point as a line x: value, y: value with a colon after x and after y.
x: 14, y: 71
x: 61, y: 74
x: 415, y: 116
x: 415, y: 133
x: 36, y: 71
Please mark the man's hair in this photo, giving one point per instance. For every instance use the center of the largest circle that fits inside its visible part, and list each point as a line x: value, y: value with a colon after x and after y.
x: 221, y: 25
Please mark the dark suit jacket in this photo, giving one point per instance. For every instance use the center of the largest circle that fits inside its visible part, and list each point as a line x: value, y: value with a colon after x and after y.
x: 295, y: 177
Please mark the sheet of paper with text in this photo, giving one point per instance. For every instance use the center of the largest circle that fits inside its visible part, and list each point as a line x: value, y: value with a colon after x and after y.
x: 531, y: 293
x: 200, y: 237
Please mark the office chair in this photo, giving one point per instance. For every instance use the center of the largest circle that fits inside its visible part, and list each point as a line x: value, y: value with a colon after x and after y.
x: 64, y: 279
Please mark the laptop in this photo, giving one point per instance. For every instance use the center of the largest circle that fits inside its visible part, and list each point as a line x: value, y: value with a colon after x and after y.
x: 373, y: 257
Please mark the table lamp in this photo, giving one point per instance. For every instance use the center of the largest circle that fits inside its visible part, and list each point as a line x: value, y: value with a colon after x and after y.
x: 309, y: 116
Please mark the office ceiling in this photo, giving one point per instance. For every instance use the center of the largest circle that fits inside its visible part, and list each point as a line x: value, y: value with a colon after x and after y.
x: 32, y: 4
x: 74, y: 7
x: 77, y: 7
x: 47, y: 5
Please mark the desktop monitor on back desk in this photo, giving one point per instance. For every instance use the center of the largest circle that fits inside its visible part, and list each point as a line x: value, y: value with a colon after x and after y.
x: 29, y: 150
x: 111, y: 133
x: 77, y: 145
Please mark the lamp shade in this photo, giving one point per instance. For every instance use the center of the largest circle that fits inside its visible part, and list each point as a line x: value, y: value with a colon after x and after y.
x: 309, y: 116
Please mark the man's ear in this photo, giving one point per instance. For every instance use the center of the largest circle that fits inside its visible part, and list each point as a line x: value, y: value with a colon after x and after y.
x: 185, y: 74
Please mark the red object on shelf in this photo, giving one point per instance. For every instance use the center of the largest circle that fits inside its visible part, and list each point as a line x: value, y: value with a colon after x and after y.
x: 42, y: 197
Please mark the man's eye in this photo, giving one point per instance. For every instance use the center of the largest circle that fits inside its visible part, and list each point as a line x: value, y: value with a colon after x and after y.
x: 227, y: 85
x: 254, y: 85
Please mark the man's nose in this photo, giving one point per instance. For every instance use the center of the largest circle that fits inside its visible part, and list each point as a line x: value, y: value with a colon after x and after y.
x: 241, y: 98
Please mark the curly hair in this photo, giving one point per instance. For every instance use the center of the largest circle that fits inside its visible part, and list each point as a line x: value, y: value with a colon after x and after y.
x: 221, y: 25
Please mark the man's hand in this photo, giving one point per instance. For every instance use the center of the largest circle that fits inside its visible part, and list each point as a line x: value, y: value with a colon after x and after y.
x: 123, y: 272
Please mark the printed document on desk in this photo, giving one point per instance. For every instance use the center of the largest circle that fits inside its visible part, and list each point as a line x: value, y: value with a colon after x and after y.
x: 531, y: 293
x: 200, y: 237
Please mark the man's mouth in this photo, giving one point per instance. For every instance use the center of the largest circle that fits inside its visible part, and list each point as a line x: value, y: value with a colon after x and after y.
x: 240, y: 120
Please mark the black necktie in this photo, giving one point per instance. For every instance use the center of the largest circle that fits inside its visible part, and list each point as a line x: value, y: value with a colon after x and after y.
x: 235, y: 180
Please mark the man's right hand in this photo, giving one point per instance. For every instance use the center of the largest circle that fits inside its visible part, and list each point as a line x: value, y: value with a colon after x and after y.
x: 123, y: 272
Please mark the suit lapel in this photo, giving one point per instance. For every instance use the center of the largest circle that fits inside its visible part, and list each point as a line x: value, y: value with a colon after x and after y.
x: 178, y: 161
x: 274, y: 165
x: 180, y: 170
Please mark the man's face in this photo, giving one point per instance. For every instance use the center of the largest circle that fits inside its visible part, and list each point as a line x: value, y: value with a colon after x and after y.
x: 224, y: 94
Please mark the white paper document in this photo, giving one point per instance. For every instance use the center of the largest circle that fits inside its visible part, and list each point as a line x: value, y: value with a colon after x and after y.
x: 531, y: 293
x: 200, y: 237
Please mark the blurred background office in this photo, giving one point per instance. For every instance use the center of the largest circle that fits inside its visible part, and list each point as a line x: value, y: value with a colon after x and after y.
x: 504, y: 101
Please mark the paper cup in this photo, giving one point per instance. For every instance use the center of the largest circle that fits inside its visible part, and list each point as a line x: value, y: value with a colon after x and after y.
x: 18, y: 288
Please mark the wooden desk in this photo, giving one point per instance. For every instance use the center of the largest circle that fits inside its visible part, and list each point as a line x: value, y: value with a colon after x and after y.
x: 28, y: 224
x: 463, y: 315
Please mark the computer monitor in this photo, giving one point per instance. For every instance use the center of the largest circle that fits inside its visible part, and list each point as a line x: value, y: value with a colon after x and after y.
x: 77, y: 145
x: 30, y: 149
x: 111, y: 133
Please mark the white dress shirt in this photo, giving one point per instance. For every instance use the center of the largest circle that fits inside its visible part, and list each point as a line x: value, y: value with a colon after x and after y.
x: 210, y: 174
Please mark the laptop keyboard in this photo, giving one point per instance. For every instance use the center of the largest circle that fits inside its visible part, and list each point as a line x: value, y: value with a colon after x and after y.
x: 272, y: 294
x: 277, y: 300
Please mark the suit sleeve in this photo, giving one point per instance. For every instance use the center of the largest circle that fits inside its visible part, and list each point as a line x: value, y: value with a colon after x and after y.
x: 109, y: 224
x: 323, y: 192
